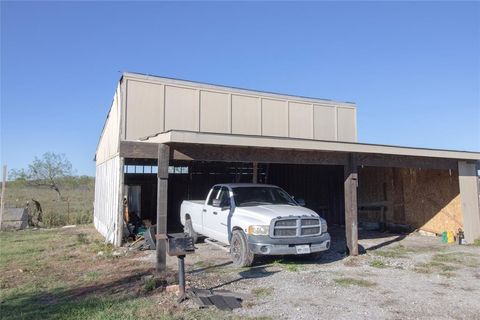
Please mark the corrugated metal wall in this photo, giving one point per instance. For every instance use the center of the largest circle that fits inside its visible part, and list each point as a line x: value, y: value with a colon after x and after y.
x: 107, y: 200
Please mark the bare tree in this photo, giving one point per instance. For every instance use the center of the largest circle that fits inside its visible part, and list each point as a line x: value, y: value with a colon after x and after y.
x: 46, y: 172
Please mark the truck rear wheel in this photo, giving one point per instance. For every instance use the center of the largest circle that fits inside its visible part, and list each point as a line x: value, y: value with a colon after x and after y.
x: 188, y: 229
x: 241, y: 254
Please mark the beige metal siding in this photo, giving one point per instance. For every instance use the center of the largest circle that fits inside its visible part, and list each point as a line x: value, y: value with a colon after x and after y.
x: 181, y: 108
x: 346, y: 125
x: 109, y: 140
x: 214, y: 112
x: 107, y: 199
x: 274, y: 118
x: 246, y: 115
x: 155, y: 105
x: 145, y: 110
x: 300, y: 120
x: 325, y: 120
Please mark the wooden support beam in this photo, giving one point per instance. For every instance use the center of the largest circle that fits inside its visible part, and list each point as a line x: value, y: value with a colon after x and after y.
x: 191, y: 152
x: 162, y: 197
x: 469, y: 191
x: 351, y: 214
x: 187, y: 151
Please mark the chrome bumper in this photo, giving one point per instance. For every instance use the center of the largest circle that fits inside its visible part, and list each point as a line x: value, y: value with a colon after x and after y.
x: 270, y: 246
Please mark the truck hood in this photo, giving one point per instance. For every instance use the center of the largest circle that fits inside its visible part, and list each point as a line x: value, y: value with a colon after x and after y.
x: 266, y: 213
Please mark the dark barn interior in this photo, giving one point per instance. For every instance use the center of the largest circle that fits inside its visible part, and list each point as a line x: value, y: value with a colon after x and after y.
x: 321, y: 186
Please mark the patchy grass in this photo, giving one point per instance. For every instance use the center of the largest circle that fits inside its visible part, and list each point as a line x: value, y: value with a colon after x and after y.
x: 457, y: 258
x: 347, y: 282
x: 289, y: 265
x: 476, y: 242
x: 378, y: 264
x: 58, y: 274
x: 399, y: 251
x: 262, y: 292
x: 446, y: 263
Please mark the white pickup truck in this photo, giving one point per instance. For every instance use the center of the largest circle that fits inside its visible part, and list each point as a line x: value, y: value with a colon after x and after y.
x: 255, y: 219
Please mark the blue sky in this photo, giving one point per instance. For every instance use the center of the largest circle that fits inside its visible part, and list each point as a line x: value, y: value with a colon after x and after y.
x: 413, y: 68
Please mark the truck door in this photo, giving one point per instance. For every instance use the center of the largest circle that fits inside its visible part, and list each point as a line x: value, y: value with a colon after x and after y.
x: 215, y: 216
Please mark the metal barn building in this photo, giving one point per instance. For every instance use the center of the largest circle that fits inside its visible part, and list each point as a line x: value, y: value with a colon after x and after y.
x: 167, y: 140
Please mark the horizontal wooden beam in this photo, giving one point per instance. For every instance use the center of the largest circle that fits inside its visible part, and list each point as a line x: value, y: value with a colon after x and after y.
x: 261, y: 155
x: 199, y: 152
x: 396, y: 161
x: 136, y: 149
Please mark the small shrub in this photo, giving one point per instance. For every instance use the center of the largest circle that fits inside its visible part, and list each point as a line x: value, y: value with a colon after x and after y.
x: 477, y: 242
x: 150, y: 284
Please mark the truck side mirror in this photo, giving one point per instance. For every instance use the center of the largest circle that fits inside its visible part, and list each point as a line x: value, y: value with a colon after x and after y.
x: 216, y: 202
x: 300, y: 202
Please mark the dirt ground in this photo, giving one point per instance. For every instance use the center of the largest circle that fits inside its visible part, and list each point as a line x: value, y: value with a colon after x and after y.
x: 70, y: 273
x: 399, y: 277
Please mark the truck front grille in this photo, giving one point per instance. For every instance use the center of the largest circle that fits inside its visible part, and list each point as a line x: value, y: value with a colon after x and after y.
x: 295, y: 227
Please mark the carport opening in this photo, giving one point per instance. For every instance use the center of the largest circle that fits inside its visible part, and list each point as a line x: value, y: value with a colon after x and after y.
x: 321, y: 186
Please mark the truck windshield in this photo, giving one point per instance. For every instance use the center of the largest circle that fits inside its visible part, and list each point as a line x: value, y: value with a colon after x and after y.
x: 255, y: 196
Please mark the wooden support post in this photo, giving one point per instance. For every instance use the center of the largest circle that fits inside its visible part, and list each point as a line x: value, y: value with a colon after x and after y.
x: 162, y: 197
x: 351, y: 215
x: 255, y: 172
x: 470, y: 202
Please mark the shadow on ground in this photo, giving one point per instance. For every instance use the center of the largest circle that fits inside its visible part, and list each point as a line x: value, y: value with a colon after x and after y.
x: 87, y: 300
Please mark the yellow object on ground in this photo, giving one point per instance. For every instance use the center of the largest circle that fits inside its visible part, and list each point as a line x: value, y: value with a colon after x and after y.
x: 450, y: 237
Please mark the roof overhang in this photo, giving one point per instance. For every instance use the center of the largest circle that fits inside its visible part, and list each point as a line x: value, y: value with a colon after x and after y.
x: 188, y: 137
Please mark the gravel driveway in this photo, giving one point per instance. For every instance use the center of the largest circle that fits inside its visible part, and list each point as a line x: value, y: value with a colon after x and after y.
x: 399, y: 277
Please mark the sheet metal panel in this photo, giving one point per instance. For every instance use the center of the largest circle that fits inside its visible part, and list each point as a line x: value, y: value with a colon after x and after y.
x: 108, y: 146
x: 146, y: 109
x: 107, y: 199
x: 155, y: 105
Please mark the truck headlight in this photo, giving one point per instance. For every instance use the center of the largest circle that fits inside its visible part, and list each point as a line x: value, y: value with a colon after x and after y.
x: 258, y: 230
x: 324, y: 227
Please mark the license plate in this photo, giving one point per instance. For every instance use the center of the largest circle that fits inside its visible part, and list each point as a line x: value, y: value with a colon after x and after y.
x: 303, y: 249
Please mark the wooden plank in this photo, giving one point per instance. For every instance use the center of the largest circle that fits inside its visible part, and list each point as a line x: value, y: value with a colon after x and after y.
x: 351, y: 214
x: 162, y: 196
x: 136, y: 149
x: 398, y: 161
x: 219, y: 302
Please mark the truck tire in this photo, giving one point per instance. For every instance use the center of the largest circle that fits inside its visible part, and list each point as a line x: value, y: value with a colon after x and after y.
x: 188, y: 229
x: 239, y: 251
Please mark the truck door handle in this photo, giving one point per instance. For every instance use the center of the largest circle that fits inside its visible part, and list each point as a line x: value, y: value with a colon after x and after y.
x: 204, y: 210
x: 215, y: 212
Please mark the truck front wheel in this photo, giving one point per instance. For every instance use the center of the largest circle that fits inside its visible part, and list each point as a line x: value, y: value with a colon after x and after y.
x: 188, y: 229
x: 241, y: 254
